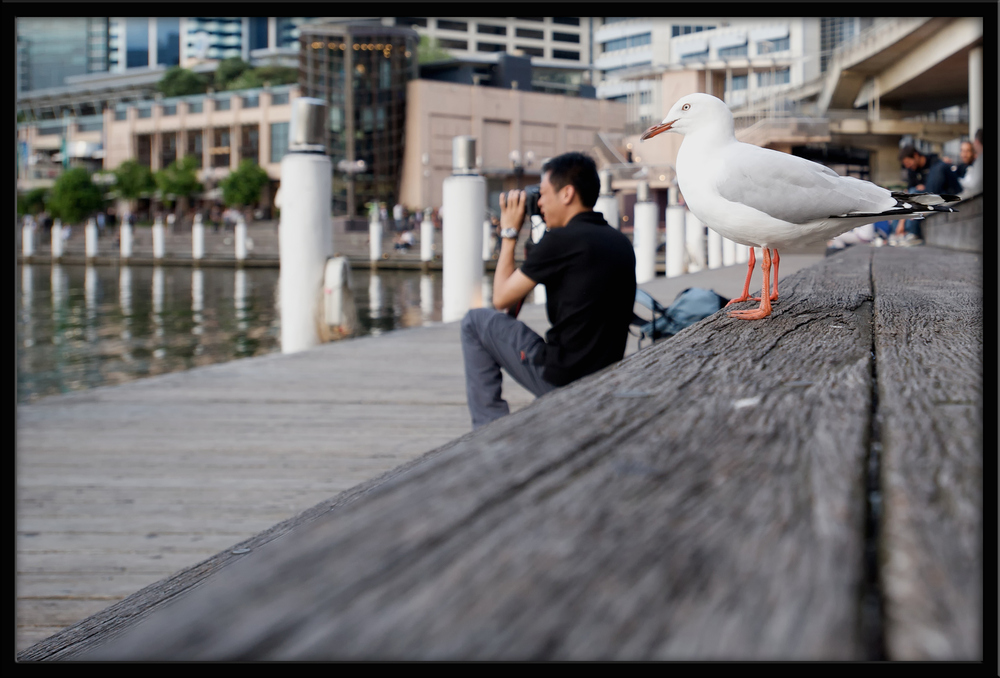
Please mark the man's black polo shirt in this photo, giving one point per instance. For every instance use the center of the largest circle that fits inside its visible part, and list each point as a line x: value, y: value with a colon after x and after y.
x: 588, y: 269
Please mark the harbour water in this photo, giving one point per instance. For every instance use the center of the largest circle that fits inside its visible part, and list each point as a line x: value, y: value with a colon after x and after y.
x: 79, y: 327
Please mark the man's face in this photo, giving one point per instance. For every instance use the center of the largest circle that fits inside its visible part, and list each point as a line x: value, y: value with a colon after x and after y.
x: 910, y: 163
x: 967, y: 154
x: 551, y: 204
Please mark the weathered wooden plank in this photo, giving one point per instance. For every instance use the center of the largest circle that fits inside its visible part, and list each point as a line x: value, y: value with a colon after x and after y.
x: 703, y: 499
x: 929, y: 343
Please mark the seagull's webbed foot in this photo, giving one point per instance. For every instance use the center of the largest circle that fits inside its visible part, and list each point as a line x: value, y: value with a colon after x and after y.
x: 764, y: 309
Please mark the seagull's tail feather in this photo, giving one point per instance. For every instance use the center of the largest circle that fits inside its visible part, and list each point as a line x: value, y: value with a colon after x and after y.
x: 915, y: 204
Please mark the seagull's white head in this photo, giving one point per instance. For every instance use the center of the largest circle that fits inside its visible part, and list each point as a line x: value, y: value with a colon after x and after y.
x: 692, y: 113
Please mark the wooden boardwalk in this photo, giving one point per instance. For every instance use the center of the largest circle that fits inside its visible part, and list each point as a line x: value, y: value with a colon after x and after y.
x: 809, y: 487
x: 119, y: 487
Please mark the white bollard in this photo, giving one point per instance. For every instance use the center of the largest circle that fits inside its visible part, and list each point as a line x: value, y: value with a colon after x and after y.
x: 464, y: 204
x: 674, y: 259
x: 427, y: 237
x: 158, y: 289
x: 728, y: 252
x: 90, y: 238
x: 608, y: 206
x: 197, y: 292
x: 337, y: 294
x: 374, y: 237
x: 57, y: 239
x: 487, y: 240
x: 644, y: 240
x: 198, y: 238
x: 28, y: 236
x: 241, y: 238
x: 742, y: 254
x: 125, y: 238
x: 305, y: 243
x: 240, y: 298
x: 714, y: 249
x: 27, y: 294
x: 158, y: 238
x: 694, y: 234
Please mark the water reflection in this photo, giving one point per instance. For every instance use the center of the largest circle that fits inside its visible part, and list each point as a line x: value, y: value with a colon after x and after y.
x: 84, y: 326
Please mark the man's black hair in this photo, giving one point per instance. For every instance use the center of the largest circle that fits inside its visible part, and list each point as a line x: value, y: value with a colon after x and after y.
x: 908, y: 151
x: 577, y: 170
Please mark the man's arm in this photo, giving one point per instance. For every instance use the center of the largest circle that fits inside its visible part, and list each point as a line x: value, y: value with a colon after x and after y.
x: 509, y: 284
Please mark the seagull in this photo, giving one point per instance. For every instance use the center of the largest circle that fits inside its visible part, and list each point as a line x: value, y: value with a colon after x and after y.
x: 764, y: 198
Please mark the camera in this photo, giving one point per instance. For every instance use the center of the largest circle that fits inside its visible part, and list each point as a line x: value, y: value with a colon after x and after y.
x: 531, y: 195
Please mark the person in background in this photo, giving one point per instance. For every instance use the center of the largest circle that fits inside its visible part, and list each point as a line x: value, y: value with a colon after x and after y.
x: 972, y: 182
x: 927, y: 173
x: 966, y: 156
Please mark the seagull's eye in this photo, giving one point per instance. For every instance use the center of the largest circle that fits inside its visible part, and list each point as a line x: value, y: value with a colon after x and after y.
x: 685, y: 107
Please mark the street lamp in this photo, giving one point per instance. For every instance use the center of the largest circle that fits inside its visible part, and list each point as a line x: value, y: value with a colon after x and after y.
x: 351, y: 168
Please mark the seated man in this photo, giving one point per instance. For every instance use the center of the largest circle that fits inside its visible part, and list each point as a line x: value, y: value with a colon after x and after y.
x: 588, y: 269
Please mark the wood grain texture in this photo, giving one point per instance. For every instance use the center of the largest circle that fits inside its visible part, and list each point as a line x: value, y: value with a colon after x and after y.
x: 928, y: 318
x: 703, y: 499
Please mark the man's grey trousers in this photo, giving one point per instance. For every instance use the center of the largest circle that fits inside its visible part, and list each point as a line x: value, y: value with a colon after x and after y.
x: 491, y: 340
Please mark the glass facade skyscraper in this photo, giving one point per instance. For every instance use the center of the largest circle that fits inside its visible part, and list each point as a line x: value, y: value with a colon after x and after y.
x: 50, y: 49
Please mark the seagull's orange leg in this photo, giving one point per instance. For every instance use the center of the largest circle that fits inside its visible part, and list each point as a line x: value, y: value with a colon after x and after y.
x: 764, y: 309
x: 774, y: 295
x: 746, y: 286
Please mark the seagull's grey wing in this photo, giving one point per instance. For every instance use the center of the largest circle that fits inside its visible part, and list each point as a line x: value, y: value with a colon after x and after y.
x: 794, y: 189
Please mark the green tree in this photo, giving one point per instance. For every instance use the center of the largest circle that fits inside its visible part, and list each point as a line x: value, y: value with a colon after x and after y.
x: 32, y: 202
x: 75, y: 196
x: 430, y: 50
x: 132, y: 181
x: 178, y: 82
x: 228, y: 70
x: 277, y: 75
x: 243, y: 185
x: 248, y: 79
x: 178, y: 180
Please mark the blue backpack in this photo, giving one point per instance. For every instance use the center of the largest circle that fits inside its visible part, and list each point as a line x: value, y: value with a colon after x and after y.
x: 689, y: 307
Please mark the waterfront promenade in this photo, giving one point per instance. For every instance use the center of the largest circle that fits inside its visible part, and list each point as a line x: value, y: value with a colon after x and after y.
x: 119, y: 487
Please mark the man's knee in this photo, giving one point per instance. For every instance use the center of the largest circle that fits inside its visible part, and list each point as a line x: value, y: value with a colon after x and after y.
x: 474, y: 320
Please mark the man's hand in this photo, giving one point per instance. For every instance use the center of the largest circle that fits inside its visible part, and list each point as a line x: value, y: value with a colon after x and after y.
x: 512, y: 209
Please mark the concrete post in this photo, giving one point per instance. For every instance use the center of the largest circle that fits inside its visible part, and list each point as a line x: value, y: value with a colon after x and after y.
x: 487, y: 239
x: 674, y: 258
x: 58, y: 282
x: 304, y: 236
x: 28, y: 236
x: 198, y: 238
x: 57, y: 239
x: 374, y: 237
x: 975, y: 90
x: 427, y: 237
x: 694, y: 232
x: 241, y: 238
x: 464, y: 204
x: 158, y: 239
x: 125, y: 239
x: 90, y: 238
x: 714, y: 249
x: 645, y: 241
x: 607, y: 204
x: 90, y: 288
x: 197, y: 294
x: 742, y: 254
x: 374, y: 297
x: 728, y: 252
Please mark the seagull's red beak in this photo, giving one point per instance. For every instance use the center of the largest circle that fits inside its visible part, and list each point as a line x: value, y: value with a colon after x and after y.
x: 656, y: 129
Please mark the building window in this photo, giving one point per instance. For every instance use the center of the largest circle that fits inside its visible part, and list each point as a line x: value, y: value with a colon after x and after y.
x: 194, y: 146
x: 279, y: 140
x: 251, y: 101
x: 616, y: 19
x: 453, y: 44
x: 490, y: 47
x: 144, y: 149
x: 90, y: 126
x: 530, y: 33
x: 737, y: 51
x: 631, y: 41
x: 567, y: 20
x: 136, y: 42
x: 168, y: 40
x: 121, y: 113
x: 168, y: 109
x: 781, y: 76
x: 278, y: 98
x: 250, y: 143
x: 196, y: 106
x: 220, y: 147
x: 565, y: 54
x: 46, y: 131
x: 258, y: 32
x: 223, y: 104
x: 627, y: 66
x: 615, y: 45
x: 776, y: 45
x: 145, y: 112
x: 411, y: 21
x: 452, y: 25
x: 645, y: 97
x: 532, y: 51
x: 685, y: 30
x: 168, y: 148
x: 566, y: 37
x: 491, y: 30
x: 739, y: 82
x: 530, y: 18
